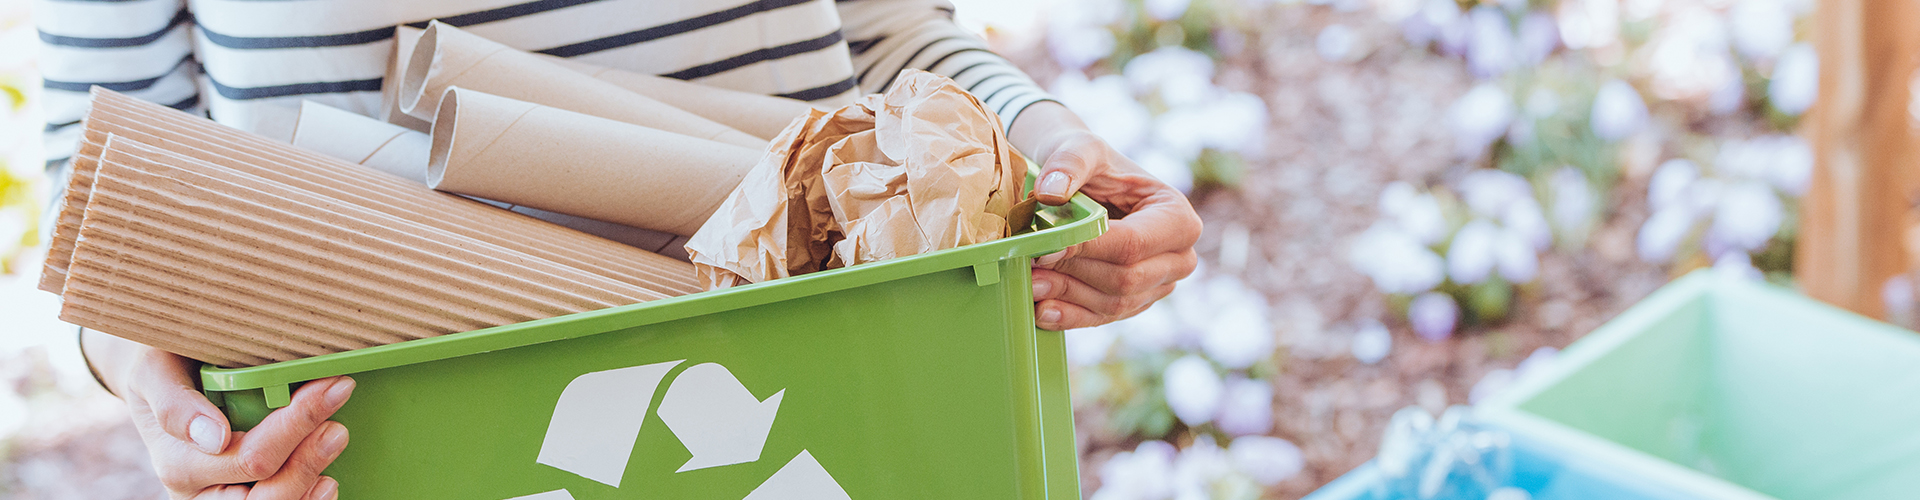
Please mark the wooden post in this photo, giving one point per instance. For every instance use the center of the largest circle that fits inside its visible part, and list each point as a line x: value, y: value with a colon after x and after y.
x: 1855, y: 217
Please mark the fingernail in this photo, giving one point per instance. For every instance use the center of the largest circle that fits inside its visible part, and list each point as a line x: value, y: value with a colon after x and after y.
x: 206, y: 434
x: 1051, y: 259
x: 1041, y: 288
x: 329, y: 489
x: 1055, y: 183
x: 1049, y: 316
x: 334, y: 441
x: 337, y: 395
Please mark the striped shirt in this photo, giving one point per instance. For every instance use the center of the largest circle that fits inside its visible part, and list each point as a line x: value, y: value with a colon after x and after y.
x: 249, y: 63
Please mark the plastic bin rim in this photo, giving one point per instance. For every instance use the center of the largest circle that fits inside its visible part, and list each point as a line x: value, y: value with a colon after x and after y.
x: 1078, y: 221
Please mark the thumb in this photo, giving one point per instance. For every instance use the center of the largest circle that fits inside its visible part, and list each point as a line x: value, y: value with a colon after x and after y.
x: 166, y: 384
x: 1064, y: 172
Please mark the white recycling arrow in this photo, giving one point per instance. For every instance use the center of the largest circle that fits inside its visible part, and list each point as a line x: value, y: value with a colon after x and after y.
x: 597, y: 420
x: 716, y: 417
x: 801, y: 479
x: 560, y: 494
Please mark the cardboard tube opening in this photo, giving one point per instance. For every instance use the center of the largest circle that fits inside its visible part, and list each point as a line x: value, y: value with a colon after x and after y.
x: 412, y: 86
x: 443, y: 127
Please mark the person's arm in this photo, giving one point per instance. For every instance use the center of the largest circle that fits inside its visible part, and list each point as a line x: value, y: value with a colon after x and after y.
x: 1149, y: 245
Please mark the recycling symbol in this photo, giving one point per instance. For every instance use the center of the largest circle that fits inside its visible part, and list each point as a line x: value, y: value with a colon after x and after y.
x: 599, y: 414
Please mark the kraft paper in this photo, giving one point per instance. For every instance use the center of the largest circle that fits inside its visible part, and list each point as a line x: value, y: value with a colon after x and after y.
x: 448, y: 57
x: 199, y: 258
x: 204, y: 140
x: 921, y: 167
x: 556, y: 160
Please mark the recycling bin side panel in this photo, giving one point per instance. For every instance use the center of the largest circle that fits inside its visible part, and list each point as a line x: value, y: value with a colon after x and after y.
x: 932, y: 386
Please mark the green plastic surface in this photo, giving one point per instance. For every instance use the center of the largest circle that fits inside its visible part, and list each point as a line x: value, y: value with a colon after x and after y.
x: 917, y: 377
x: 1732, y: 389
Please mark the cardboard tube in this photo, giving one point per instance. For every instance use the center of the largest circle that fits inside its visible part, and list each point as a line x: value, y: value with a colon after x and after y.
x: 358, y: 139
x: 402, y: 152
x: 238, y: 270
x: 447, y: 57
x: 202, y: 139
x: 404, y: 38
x: 756, y: 114
x: 557, y: 160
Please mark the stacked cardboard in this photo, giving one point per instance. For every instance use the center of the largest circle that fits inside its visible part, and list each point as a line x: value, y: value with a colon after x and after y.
x: 238, y: 250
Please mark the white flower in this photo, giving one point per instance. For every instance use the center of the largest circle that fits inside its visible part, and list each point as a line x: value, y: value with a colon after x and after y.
x: 1182, y: 132
x: 1618, y: 111
x: 1522, y: 218
x: 1239, y: 337
x: 1737, y: 265
x: 1536, y: 360
x: 1490, y: 44
x: 1166, y: 10
x: 1791, y: 168
x: 1516, y: 258
x: 1372, y: 342
x: 1416, y: 213
x: 1150, y: 70
x: 1088, y: 346
x: 1488, y: 192
x: 1688, y: 55
x: 1141, y: 474
x: 1077, y: 33
x: 1108, y: 106
x: 1494, y: 382
x: 1187, y: 91
x: 1193, y: 389
x: 1235, y: 122
x: 1335, y: 42
x: 1796, y: 80
x: 1166, y: 167
x: 1761, y: 28
x: 1743, y: 159
x: 1471, y: 255
x: 1433, y: 315
x: 1401, y: 445
x: 1267, y: 460
x: 1747, y: 216
x: 1440, y: 12
x: 1660, y: 237
x: 1397, y: 262
x: 1589, y: 23
x: 1573, y: 200
x: 1153, y: 330
x: 1538, y: 38
x: 1394, y: 11
x: 1478, y: 118
x: 1198, y: 467
x: 1728, y: 98
x: 1247, y: 408
x: 1670, y: 182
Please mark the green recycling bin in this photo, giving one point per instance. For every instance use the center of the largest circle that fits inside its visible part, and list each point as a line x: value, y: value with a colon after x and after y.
x: 916, y: 377
x: 1725, y: 388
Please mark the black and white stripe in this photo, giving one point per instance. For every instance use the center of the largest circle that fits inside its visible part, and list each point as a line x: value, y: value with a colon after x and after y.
x: 250, y: 62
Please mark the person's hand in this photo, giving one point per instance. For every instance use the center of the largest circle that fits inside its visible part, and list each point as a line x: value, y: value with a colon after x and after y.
x: 1148, y: 245
x: 198, y: 458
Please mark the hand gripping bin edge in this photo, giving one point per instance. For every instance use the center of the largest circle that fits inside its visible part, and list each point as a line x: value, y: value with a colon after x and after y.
x: 916, y: 377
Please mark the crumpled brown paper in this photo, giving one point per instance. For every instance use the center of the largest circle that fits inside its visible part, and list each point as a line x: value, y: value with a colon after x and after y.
x: 921, y: 167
